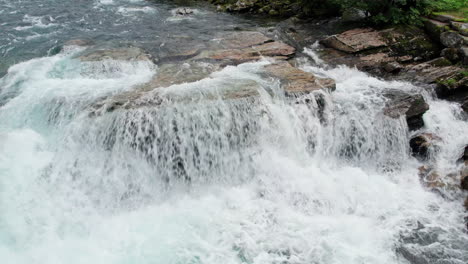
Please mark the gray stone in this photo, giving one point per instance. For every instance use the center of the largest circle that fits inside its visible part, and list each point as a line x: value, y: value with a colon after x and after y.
x: 451, y: 39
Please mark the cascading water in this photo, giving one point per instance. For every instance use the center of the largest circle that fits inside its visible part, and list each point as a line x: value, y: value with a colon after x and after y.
x: 202, y: 178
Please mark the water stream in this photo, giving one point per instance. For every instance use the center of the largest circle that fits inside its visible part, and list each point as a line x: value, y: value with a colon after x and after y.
x: 258, y: 180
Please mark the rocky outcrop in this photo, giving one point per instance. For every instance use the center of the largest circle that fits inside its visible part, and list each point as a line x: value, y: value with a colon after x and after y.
x: 411, y: 106
x: 431, y: 178
x: 356, y: 40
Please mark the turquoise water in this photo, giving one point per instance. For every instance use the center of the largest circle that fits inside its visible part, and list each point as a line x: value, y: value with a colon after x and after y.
x: 205, y: 181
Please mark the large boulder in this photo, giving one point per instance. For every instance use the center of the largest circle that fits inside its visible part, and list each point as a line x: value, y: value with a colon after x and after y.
x: 296, y: 81
x: 356, y: 40
x: 451, y: 39
x: 412, y: 106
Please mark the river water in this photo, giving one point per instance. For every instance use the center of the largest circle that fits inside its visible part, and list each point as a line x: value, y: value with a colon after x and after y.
x: 259, y: 181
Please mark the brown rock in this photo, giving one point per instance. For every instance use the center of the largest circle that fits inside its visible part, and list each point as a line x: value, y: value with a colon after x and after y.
x: 296, y: 81
x: 355, y: 40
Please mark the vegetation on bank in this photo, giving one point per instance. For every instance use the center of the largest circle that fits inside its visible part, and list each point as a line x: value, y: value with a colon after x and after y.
x: 375, y: 11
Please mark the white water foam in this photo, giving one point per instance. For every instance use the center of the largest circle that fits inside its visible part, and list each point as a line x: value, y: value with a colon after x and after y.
x: 256, y: 180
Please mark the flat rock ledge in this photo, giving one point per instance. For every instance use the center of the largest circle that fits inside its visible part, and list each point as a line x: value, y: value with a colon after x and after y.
x: 226, y: 49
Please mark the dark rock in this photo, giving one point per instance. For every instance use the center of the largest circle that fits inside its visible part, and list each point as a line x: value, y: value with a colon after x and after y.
x: 421, y: 144
x: 431, y: 178
x: 412, y: 106
x: 451, y: 39
x: 452, y: 54
x: 296, y: 81
x: 464, y: 105
x: 443, y: 18
x: 452, y: 87
x: 464, y: 55
x: 434, y: 28
x: 464, y: 179
x: 356, y: 40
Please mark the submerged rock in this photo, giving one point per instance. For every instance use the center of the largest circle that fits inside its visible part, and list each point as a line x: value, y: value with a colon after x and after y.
x: 297, y: 81
x: 184, y: 11
x: 356, y: 40
x: 411, y: 106
x: 79, y: 42
x: 124, y: 54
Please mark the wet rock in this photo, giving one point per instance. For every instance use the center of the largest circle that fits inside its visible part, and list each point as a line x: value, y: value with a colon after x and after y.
x: 451, y: 39
x: 183, y: 11
x: 452, y: 54
x: 411, y: 106
x: 430, y: 177
x: 453, y: 86
x: 124, y: 54
x: 421, y: 144
x: 356, y: 40
x: 296, y: 81
x: 460, y: 27
x: 464, y: 178
x: 79, y: 42
x: 434, y: 28
x: 464, y: 105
